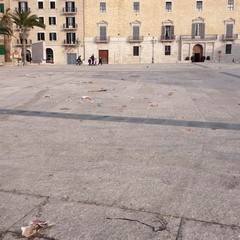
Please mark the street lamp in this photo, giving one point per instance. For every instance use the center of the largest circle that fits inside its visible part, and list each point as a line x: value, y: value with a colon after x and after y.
x: 153, y: 41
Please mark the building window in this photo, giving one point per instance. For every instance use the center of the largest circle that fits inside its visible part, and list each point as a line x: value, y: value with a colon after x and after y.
x: 230, y: 5
x: 70, y: 22
x: 22, y: 6
x: 136, y: 6
x: 41, y: 36
x: 199, y: 5
x: 229, y: 30
x: 52, y: 36
x: 103, y: 33
x: 52, y: 20
x: 228, y: 49
x: 198, y: 30
x: 103, y: 7
x: 52, y: 5
x: 40, y: 5
x: 136, y: 51
x: 136, y: 32
x: 2, y: 8
x: 168, y: 6
x: 167, y: 50
x: 71, y: 38
x: 41, y: 19
x: 70, y: 6
x: 167, y: 32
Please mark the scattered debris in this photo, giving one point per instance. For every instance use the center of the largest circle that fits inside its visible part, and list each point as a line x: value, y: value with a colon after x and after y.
x: 98, y: 90
x: 33, y: 227
x: 132, y: 98
x: 154, y: 104
x: 48, y: 96
x: 88, y: 82
x: 190, y: 129
x: 71, y: 98
x: 170, y: 93
x: 86, y: 97
x: 64, y: 108
x: 121, y: 107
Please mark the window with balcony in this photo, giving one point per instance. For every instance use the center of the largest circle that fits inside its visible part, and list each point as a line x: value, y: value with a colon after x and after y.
x: 229, y: 30
x: 70, y: 6
x: 40, y: 4
x: 52, y: 36
x: 167, y: 50
x: 168, y: 6
x: 136, y: 6
x: 228, y: 49
x: 71, y: 38
x: 103, y: 7
x: 230, y: 5
x: 136, y: 32
x: 70, y: 22
x: 41, y: 36
x: 198, y: 28
x: 199, y: 5
x: 167, y: 31
x: 103, y: 33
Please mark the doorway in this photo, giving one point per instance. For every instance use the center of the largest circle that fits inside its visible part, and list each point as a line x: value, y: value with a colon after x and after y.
x: 197, y: 53
x: 71, y: 58
x: 49, y: 55
x: 28, y: 56
x: 104, y: 55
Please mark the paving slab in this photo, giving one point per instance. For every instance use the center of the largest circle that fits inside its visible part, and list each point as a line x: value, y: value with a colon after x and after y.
x: 150, y: 152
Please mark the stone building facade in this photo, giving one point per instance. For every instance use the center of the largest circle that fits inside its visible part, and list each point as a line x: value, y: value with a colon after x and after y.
x: 133, y: 31
x: 162, y: 31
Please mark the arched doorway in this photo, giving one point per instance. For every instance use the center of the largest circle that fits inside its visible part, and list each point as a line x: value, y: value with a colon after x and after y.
x: 28, y: 56
x: 49, y: 55
x: 197, y: 53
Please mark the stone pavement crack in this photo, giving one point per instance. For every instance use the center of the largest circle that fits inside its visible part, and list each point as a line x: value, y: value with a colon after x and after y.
x: 155, y: 229
x: 161, y: 228
x: 179, y: 234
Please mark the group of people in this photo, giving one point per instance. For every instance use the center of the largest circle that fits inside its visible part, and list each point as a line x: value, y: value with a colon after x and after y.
x: 91, y: 61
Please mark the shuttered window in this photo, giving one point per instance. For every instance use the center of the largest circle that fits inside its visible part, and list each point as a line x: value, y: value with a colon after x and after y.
x: 103, y: 33
x: 1, y: 7
x: 136, y: 32
x: 198, y: 30
x: 229, y: 30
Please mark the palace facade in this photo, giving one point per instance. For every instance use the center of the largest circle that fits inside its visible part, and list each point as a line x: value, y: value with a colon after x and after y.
x: 130, y: 31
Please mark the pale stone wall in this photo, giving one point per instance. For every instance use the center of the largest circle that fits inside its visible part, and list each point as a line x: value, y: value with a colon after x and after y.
x: 119, y: 17
x: 59, y: 51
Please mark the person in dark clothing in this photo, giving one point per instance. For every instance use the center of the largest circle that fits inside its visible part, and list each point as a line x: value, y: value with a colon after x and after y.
x: 79, y: 61
x: 100, y: 61
x: 92, y: 59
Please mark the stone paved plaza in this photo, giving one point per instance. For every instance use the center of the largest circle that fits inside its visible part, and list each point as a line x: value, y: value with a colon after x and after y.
x: 121, y: 152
